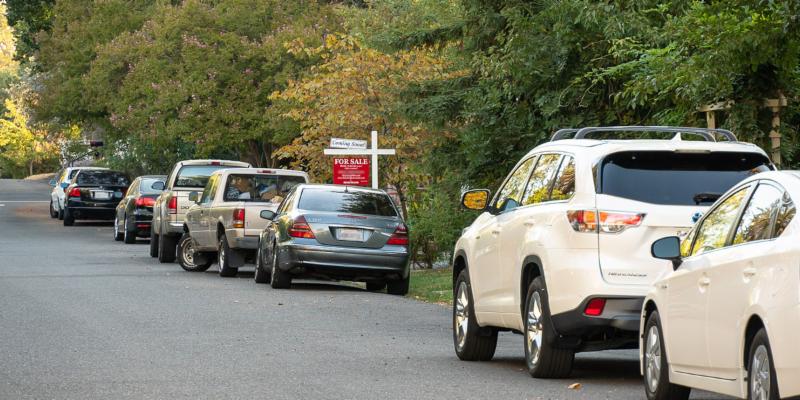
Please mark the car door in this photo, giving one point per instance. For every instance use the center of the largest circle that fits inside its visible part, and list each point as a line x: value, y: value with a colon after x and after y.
x: 687, y: 288
x: 202, y: 217
x: 489, y: 280
x: 126, y: 205
x: 523, y: 231
x: 734, y: 273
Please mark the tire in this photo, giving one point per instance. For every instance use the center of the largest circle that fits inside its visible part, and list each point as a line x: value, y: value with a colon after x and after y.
x: 398, y: 287
x: 471, y: 342
x: 376, y: 286
x: 186, y: 255
x: 167, y: 247
x: 280, y: 279
x: 129, y: 236
x: 261, y: 276
x: 656, y: 367
x: 762, y: 382
x: 223, y: 259
x: 69, y: 220
x: 153, y: 243
x: 117, y: 234
x: 543, y: 358
x: 53, y: 212
x: 60, y: 214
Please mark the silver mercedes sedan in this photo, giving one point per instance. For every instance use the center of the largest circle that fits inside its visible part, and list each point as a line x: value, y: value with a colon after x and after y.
x: 335, y: 232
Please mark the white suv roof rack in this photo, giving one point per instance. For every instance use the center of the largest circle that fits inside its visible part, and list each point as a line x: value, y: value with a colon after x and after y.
x: 705, y: 133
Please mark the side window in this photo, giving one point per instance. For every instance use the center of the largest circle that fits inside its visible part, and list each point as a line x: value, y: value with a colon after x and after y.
x: 785, y: 215
x: 209, y: 190
x: 541, y: 181
x: 757, y: 217
x: 565, y: 180
x: 134, y: 188
x: 284, y: 207
x: 510, y: 195
x: 715, y: 228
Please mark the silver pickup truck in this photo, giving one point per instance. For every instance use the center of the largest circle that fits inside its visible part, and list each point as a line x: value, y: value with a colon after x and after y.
x: 225, y: 219
x: 173, y: 202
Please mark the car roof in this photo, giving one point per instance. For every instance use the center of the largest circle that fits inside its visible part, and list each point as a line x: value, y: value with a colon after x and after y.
x: 153, y: 176
x: 210, y: 161
x: 266, y: 171
x: 598, y: 148
x: 74, y: 168
x: 339, y: 188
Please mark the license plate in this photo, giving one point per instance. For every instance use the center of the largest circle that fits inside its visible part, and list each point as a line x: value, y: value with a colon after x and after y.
x: 350, y: 235
x: 101, y: 195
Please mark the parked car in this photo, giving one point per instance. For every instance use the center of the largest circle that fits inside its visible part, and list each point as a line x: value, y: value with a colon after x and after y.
x: 60, y: 181
x: 561, y: 253
x: 135, y: 211
x: 94, y: 194
x: 226, y: 217
x: 171, y: 205
x: 335, y: 232
x: 726, y: 320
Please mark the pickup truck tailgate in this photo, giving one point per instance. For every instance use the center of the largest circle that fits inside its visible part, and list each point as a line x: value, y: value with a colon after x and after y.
x: 253, y: 223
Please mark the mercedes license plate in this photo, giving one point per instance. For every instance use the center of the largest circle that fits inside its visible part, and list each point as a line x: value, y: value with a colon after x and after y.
x: 350, y: 235
x: 101, y: 195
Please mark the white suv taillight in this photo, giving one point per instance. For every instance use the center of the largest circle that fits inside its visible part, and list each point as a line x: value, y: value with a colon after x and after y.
x: 603, y: 221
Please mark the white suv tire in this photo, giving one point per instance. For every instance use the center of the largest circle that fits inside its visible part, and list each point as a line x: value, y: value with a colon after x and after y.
x: 543, y: 358
x: 472, y: 343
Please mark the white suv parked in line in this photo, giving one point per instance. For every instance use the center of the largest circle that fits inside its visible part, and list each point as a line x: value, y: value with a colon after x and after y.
x: 727, y: 319
x: 562, y: 252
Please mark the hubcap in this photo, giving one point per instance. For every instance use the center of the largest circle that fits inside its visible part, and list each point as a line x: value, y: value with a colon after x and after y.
x: 652, y: 358
x: 461, y: 320
x: 116, y: 227
x: 221, y: 257
x: 760, y: 375
x: 187, y: 249
x: 533, y: 333
x: 274, y: 262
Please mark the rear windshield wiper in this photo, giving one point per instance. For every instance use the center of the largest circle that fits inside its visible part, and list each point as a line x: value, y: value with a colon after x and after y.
x: 706, y: 197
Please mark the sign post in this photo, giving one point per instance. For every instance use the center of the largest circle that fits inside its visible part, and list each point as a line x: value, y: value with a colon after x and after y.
x: 355, y: 150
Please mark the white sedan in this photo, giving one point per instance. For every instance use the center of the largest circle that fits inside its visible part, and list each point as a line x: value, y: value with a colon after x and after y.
x: 727, y: 319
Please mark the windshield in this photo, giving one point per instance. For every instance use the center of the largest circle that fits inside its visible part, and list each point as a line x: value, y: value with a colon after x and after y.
x: 260, y: 188
x: 109, y: 178
x: 673, y: 178
x: 196, y: 176
x: 357, y: 202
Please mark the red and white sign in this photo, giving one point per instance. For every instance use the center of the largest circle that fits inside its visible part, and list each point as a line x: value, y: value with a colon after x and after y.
x: 352, y: 171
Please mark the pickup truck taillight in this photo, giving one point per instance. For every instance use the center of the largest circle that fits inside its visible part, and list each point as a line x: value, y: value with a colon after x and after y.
x: 603, y: 221
x: 399, y: 237
x: 145, y: 202
x: 75, y: 192
x: 301, y: 229
x: 238, y: 217
x: 172, y: 206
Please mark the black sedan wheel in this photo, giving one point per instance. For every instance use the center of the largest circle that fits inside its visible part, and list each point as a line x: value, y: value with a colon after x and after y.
x: 69, y: 219
x: 261, y: 276
x: 117, y: 234
x: 129, y: 235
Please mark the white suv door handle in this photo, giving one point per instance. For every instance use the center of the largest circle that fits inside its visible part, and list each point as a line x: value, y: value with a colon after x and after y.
x: 704, y: 281
x: 749, y: 272
x: 529, y: 223
x: 495, y: 231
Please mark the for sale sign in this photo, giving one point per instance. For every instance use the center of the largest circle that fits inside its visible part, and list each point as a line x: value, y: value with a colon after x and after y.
x: 352, y: 171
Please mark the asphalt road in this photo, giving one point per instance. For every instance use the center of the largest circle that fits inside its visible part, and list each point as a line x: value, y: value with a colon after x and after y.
x: 84, y: 317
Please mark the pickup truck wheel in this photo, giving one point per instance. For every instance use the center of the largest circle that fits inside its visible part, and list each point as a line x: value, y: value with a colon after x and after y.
x: 69, y: 220
x: 167, y: 247
x: 472, y: 343
x: 53, y: 212
x: 129, y: 236
x: 376, y: 286
x: 544, y: 360
x: 261, y: 276
x: 187, y: 255
x: 117, y: 233
x: 153, y: 243
x: 280, y: 279
x: 223, y: 254
x: 398, y: 287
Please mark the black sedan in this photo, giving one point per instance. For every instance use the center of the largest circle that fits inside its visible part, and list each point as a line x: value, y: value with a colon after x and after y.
x: 93, y: 194
x: 135, y: 211
x: 337, y: 233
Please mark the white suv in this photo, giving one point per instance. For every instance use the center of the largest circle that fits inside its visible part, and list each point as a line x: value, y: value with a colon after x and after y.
x: 562, y: 252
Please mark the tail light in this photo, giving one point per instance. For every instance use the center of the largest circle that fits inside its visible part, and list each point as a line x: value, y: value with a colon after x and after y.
x: 172, y: 205
x: 238, y: 218
x: 595, y: 307
x: 399, y: 237
x: 145, y: 202
x: 301, y: 229
x: 75, y: 192
x: 603, y: 221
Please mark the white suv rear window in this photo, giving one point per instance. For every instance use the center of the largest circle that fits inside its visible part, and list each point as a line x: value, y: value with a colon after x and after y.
x: 674, y: 178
